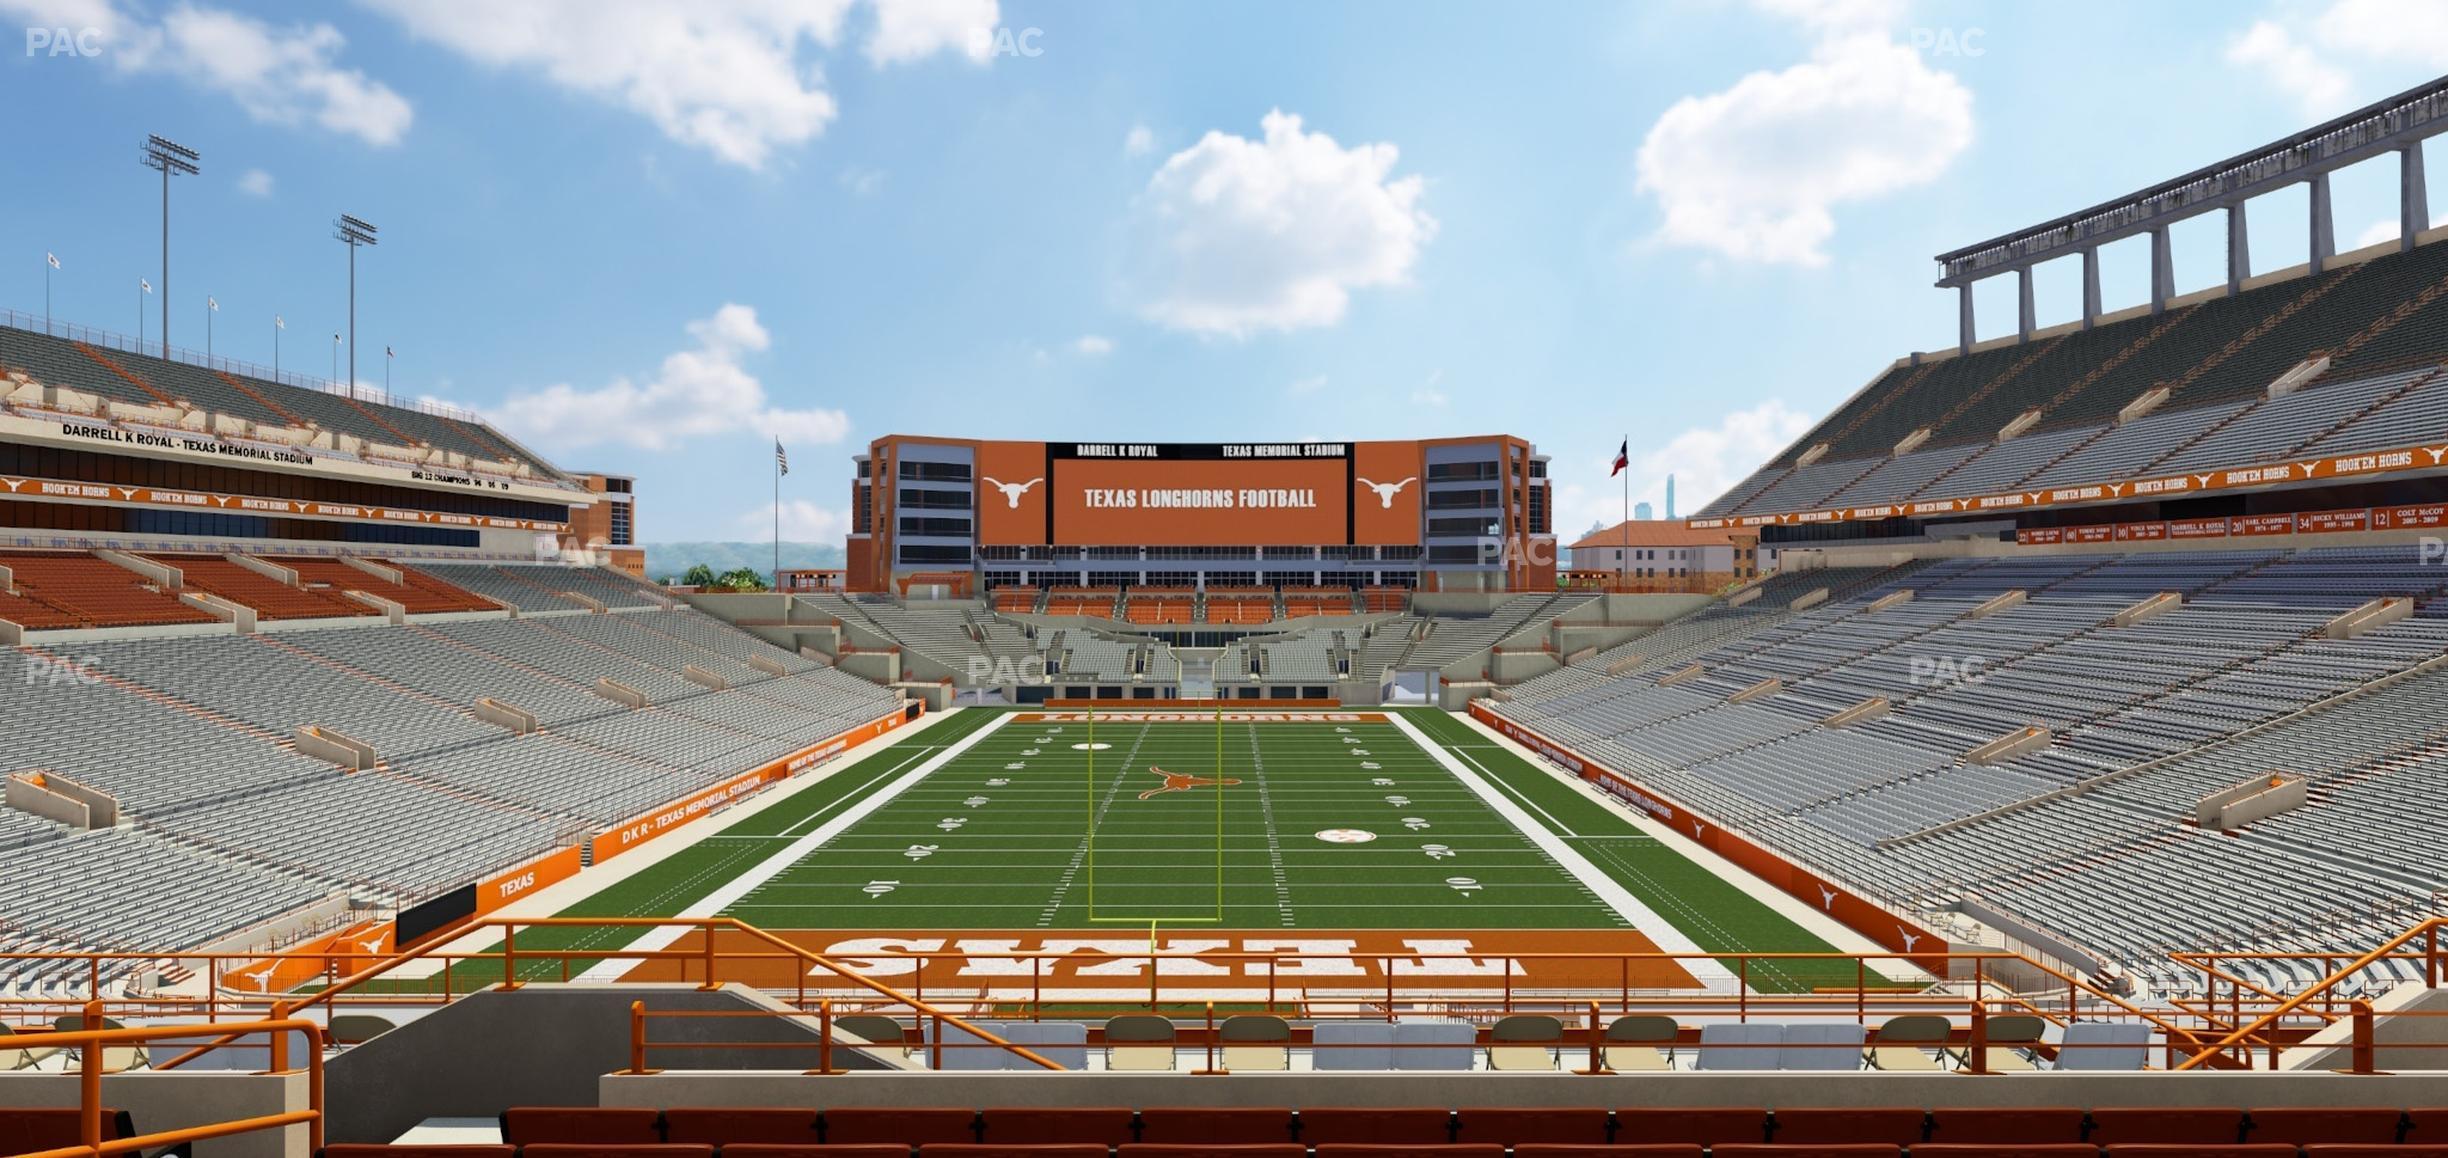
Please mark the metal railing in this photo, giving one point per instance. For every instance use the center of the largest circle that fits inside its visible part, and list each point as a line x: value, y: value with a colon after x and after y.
x: 113, y: 340
x: 92, y: 1044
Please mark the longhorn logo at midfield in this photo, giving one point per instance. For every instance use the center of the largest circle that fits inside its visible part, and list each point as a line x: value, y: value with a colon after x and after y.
x: 1387, y: 491
x: 1013, y: 491
x: 1184, y: 782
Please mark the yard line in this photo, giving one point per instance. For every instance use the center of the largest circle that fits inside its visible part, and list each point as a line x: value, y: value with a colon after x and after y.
x: 1667, y: 936
x: 1274, y: 846
x: 738, y: 888
x: 1062, y: 886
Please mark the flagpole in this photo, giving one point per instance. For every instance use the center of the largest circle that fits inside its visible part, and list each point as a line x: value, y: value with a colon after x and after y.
x: 1623, y: 558
x: 777, y: 513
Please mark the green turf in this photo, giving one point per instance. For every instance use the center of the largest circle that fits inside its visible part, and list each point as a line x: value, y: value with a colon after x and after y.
x: 1718, y: 915
x: 689, y: 874
x: 1023, y: 831
x: 1021, y: 858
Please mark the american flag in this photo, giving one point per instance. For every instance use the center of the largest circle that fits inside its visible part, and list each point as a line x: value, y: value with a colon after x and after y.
x: 781, y: 460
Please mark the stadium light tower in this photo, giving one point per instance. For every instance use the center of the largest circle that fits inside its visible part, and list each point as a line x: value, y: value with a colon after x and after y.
x: 167, y: 157
x: 352, y: 232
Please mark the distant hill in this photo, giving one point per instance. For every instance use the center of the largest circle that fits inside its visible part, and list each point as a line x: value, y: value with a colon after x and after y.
x: 669, y: 560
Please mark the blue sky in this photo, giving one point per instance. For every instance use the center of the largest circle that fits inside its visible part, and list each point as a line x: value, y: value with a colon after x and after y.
x: 646, y: 237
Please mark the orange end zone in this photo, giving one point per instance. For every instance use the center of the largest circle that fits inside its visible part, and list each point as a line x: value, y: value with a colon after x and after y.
x: 1209, y: 704
x: 1193, y: 965
x: 1203, y: 716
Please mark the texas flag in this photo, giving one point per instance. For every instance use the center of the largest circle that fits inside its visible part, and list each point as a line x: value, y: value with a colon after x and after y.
x: 1623, y: 458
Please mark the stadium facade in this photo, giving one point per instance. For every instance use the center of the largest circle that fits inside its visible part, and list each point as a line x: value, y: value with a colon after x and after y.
x: 1451, y: 514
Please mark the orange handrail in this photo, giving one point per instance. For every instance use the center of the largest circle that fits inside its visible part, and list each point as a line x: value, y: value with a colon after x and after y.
x: 706, y: 925
x: 2268, y: 1020
x: 92, y: 1042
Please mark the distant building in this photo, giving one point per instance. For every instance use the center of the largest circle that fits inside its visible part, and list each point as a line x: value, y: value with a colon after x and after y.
x: 1664, y: 555
x: 1640, y: 512
x: 609, y: 526
x: 811, y: 580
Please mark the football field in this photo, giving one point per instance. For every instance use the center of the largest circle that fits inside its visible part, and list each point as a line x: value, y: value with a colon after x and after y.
x: 1404, y: 839
x: 1075, y: 820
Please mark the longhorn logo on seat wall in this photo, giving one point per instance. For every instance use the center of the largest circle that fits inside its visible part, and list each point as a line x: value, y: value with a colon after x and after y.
x: 1013, y: 491
x: 1387, y: 491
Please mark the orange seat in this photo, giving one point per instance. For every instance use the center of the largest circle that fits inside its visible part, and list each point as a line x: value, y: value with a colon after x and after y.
x: 1710, y: 1126
x: 910, y: 1126
x: 1892, y: 1126
x: 1035, y: 1125
x: 2006, y: 1124
x: 2164, y: 1125
x: 2304, y: 1125
x: 1515, y: 1125
x: 1215, y: 1124
x: 1400, y: 1126
x: 593, y: 1125
x: 725, y: 1125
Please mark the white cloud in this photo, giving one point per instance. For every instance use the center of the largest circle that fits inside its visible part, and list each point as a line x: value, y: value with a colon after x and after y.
x: 862, y: 181
x: 802, y: 522
x: 280, y: 74
x: 2297, y: 68
x: 1309, y: 385
x: 726, y: 76
x: 1093, y: 345
x: 698, y: 392
x: 1236, y: 236
x: 2329, y: 61
x: 2388, y: 30
x: 1756, y: 171
x: 1706, y: 461
x: 1428, y: 396
x: 2385, y: 229
x: 1138, y: 141
x: 255, y: 183
x: 908, y: 30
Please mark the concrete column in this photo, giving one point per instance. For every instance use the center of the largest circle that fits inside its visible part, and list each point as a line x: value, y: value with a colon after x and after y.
x: 2239, y: 248
x: 2024, y: 312
x: 2324, y: 224
x: 2413, y: 202
x: 2163, y: 270
x: 1963, y: 317
x: 2091, y: 290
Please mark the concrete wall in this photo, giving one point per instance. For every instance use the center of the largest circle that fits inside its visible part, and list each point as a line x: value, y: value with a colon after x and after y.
x: 176, y: 1100
x: 1869, y: 1088
x: 540, y: 1046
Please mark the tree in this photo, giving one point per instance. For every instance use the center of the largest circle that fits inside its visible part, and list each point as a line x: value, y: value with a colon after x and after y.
x: 700, y: 576
x: 741, y: 579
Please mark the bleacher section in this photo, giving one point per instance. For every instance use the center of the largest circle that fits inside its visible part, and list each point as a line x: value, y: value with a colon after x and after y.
x: 145, y: 380
x: 192, y: 735
x: 2383, y: 324
x: 418, y: 593
x: 270, y: 597
x: 2090, y: 837
x: 91, y: 592
x: 546, y: 587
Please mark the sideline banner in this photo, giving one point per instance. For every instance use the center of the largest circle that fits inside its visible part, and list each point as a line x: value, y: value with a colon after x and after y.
x: 1848, y: 908
x: 639, y: 830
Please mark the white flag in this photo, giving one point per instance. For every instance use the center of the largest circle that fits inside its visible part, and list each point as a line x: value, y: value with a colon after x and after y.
x: 212, y: 304
x: 53, y: 258
x: 279, y: 322
x: 148, y: 286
